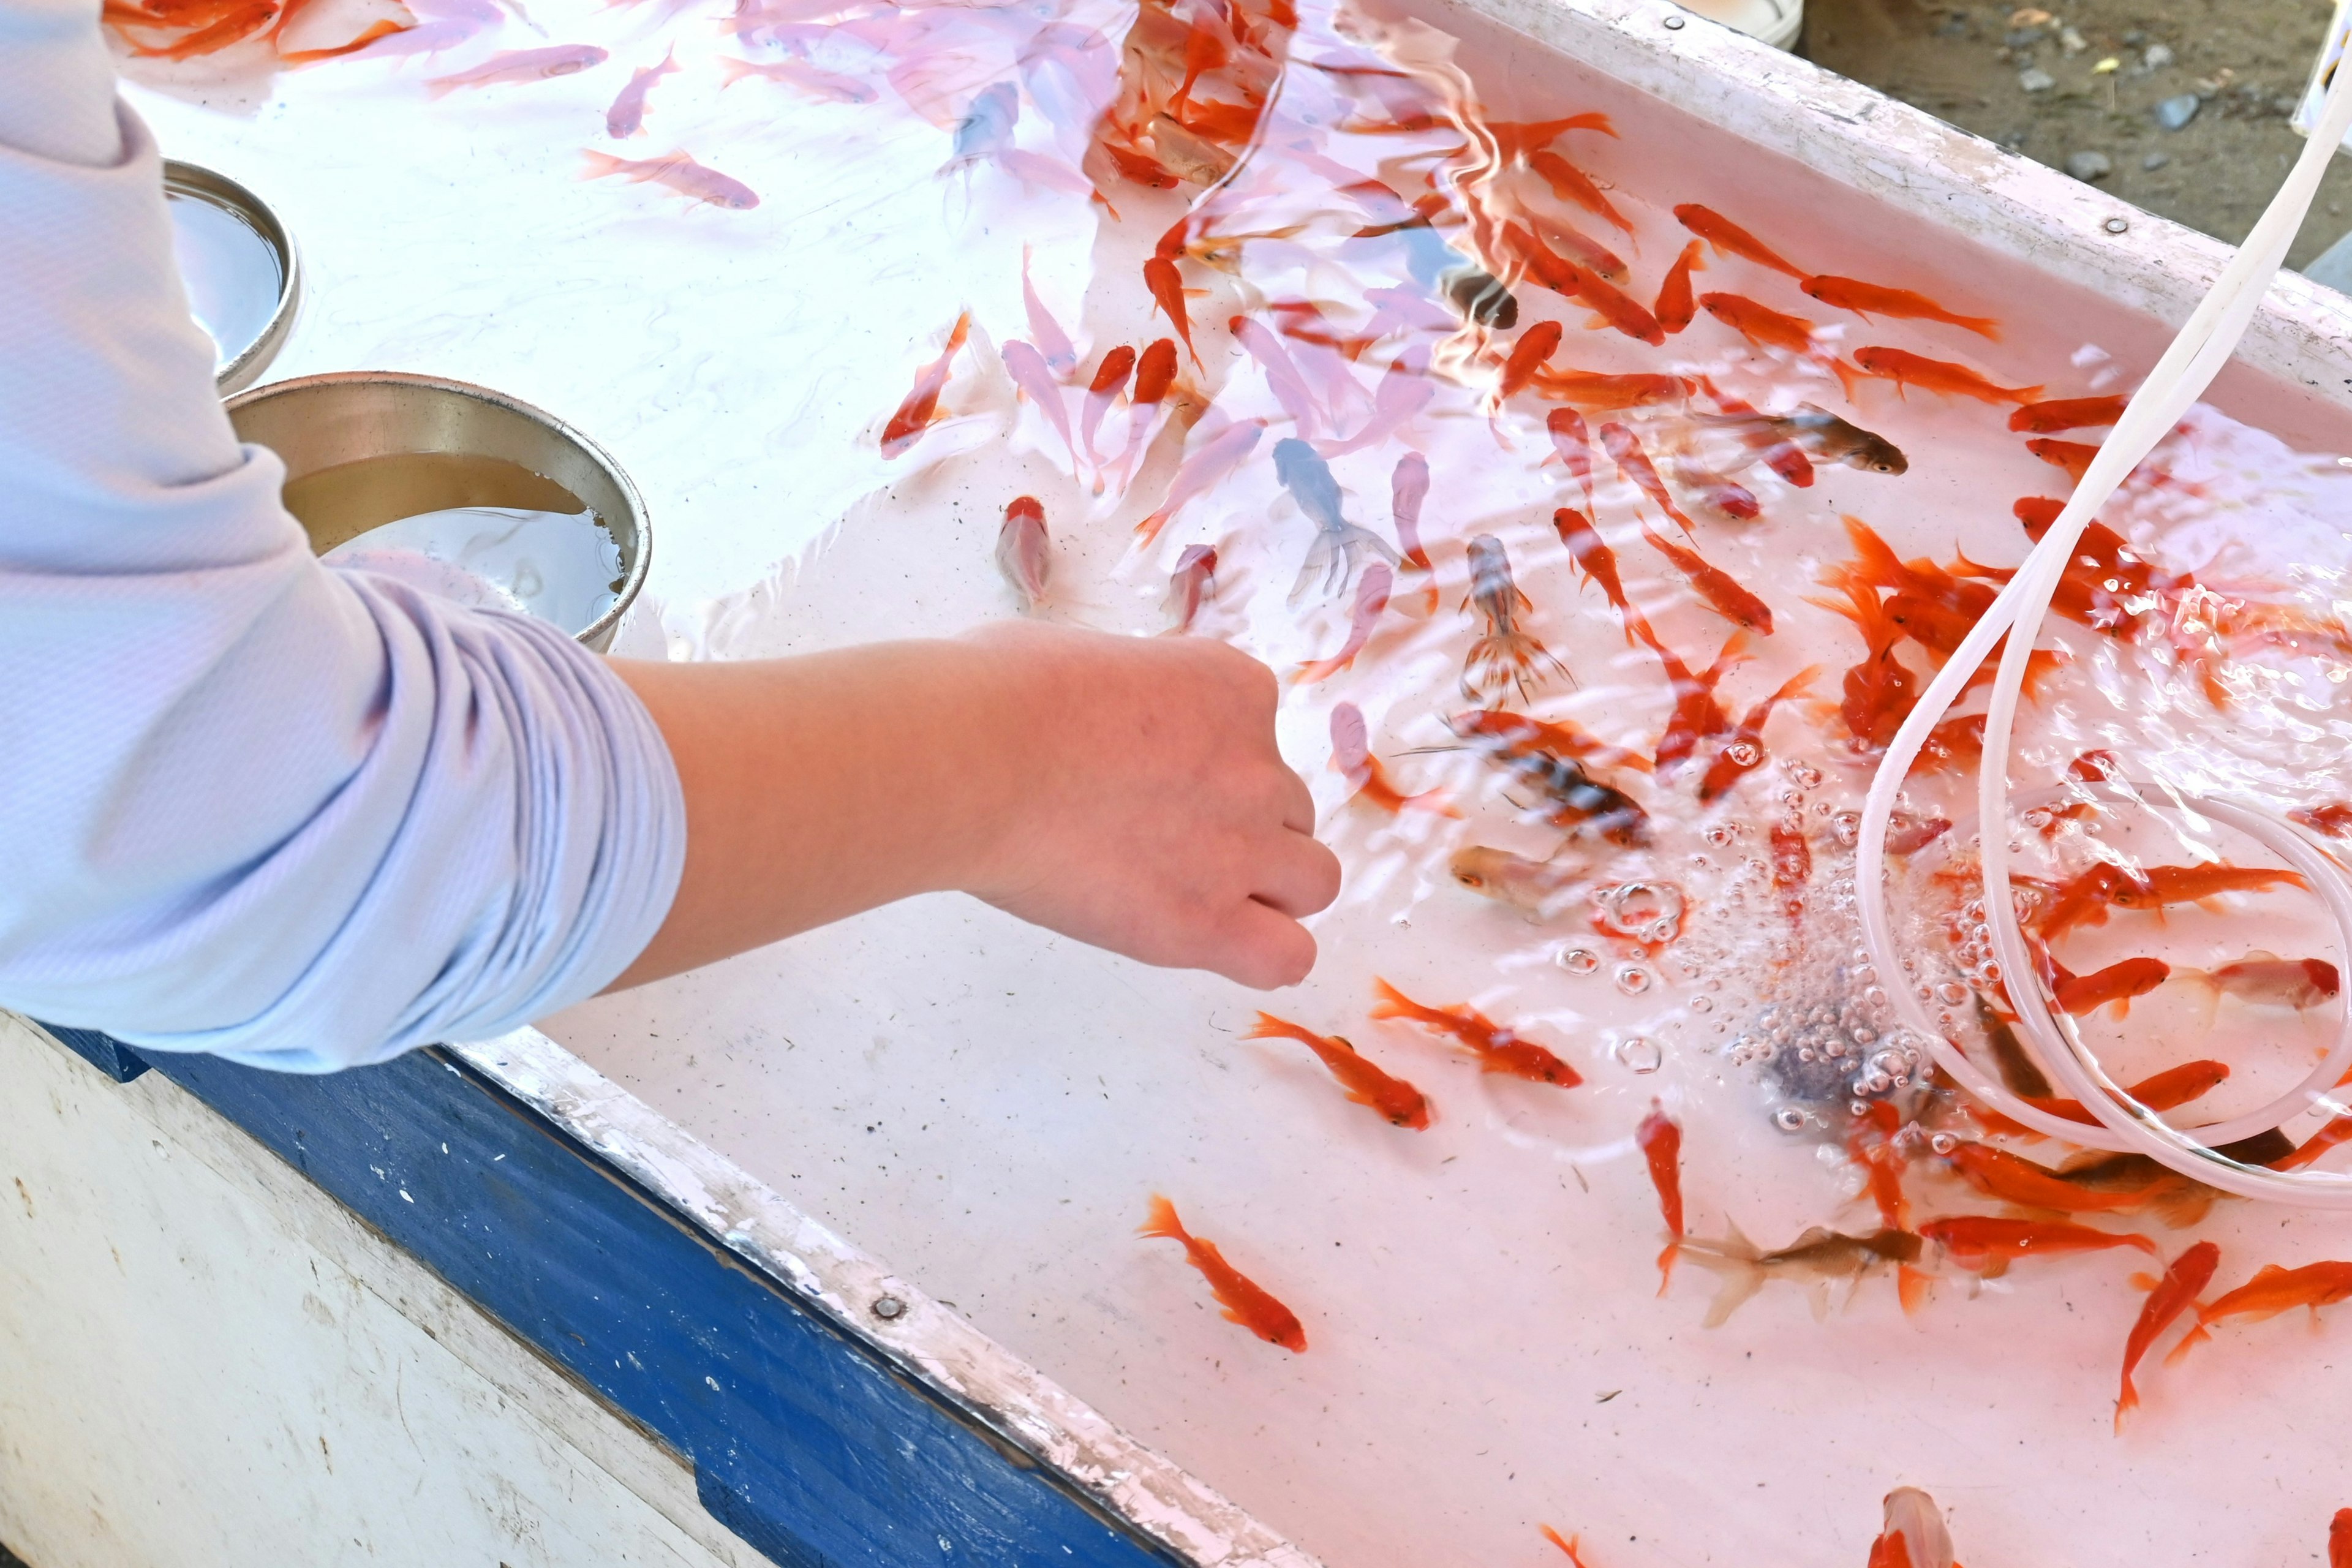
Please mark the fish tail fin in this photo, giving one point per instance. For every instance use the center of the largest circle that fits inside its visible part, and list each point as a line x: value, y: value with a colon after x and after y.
x: 1985, y: 327
x: 732, y: 71
x: 2027, y: 394
x: 1317, y: 670
x: 2189, y: 1340
x: 1388, y: 1002
x: 1161, y: 1223
x: 1673, y: 1249
x: 1148, y: 529
x: 1742, y: 1277
x: 1269, y: 1028
x: 1912, y: 1287
x: 1432, y: 800
x: 1846, y: 375
x: 600, y: 164
x: 2127, y: 1400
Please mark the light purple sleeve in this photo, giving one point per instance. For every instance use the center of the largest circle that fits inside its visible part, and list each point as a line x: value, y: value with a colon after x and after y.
x: 250, y: 805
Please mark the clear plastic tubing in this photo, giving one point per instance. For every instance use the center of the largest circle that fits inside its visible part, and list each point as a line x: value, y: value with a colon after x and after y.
x: 2203, y: 346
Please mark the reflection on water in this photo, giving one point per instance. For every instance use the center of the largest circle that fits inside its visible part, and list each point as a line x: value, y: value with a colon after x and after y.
x: 232, y: 274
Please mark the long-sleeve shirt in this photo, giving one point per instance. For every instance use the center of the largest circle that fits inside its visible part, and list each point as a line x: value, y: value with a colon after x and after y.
x: 250, y: 805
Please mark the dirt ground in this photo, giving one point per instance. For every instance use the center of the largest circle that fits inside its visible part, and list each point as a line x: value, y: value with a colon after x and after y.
x: 2028, y: 77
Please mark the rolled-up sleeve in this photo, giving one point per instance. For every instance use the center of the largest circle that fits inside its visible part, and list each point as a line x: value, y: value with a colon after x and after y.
x: 249, y: 804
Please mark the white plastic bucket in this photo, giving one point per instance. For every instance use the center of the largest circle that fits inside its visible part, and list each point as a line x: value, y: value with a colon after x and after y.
x: 1777, y: 22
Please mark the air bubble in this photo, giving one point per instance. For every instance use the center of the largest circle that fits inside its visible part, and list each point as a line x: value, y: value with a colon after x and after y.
x: 1722, y: 834
x: 1580, y: 961
x: 1788, y: 1118
x: 1632, y: 979
x: 1639, y: 1054
x: 1701, y: 1004
x: 1847, y: 828
x: 1943, y: 1142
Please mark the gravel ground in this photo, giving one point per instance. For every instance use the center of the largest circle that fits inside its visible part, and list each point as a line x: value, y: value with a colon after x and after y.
x: 2227, y: 73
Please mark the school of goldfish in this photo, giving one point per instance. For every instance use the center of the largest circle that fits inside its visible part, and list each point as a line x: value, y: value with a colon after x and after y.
x: 1341, y: 252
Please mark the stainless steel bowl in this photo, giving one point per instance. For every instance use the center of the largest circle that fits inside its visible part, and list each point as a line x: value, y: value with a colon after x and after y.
x: 243, y: 253
x: 319, y: 422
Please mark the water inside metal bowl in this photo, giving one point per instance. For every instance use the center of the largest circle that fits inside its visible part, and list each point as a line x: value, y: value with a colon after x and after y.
x: 366, y: 449
x: 239, y: 268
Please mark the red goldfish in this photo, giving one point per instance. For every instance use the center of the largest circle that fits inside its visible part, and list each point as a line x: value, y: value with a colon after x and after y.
x: 1763, y: 325
x: 1602, y: 391
x: 1569, y: 1544
x: 680, y: 174
x: 1868, y: 299
x: 1219, y: 456
x: 1574, y: 445
x: 1697, y: 716
x: 2117, y: 984
x: 1155, y: 372
x: 1676, y: 305
x: 1110, y: 380
x: 1245, y: 1301
x: 2066, y: 413
x: 1563, y: 276
x: 1192, y: 584
x: 1498, y: 1049
x: 1371, y: 599
x: 626, y: 117
x: 1625, y: 450
x: 1743, y: 754
x: 1724, y: 593
x: 1881, y: 690
x: 521, y: 65
x: 2167, y: 1090
x: 1535, y: 345
x: 2339, y: 1540
x: 1719, y: 493
x: 1023, y: 554
x: 1352, y: 755
x: 2188, y: 1275
x: 2333, y: 820
x: 916, y: 414
x: 1909, y: 370
x: 1597, y: 561
x: 2274, y: 1289
x: 2074, y: 457
x: 1504, y: 656
x: 1998, y: 1174
x: 1570, y: 184
x: 1400, y: 1103
x: 1983, y: 1245
x: 1871, y: 1143
x: 1729, y: 239
x: 1914, y: 1536
x: 1167, y: 286
x: 1660, y: 1138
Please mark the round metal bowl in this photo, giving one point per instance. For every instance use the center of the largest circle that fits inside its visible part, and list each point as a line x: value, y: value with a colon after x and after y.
x: 238, y: 263
x: 319, y: 422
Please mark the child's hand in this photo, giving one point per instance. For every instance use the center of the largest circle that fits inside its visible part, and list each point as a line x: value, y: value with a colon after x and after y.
x: 1151, y: 814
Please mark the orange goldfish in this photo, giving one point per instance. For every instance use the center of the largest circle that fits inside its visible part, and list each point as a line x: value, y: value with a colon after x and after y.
x: 2168, y: 1090
x: 2339, y: 1540
x: 1505, y: 656
x: 1166, y: 286
x: 1909, y: 370
x: 2167, y: 1299
x: 1792, y: 865
x: 2274, y: 1289
x: 1868, y: 299
x: 1743, y: 754
x: 1535, y: 345
x: 2117, y: 984
x: 1499, y: 1049
x: 1625, y: 450
x: 1676, y: 305
x: 1397, y: 1100
x: 1564, y: 276
x: 1881, y: 690
x: 1984, y: 1244
x: 1729, y: 239
x: 1569, y: 1545
x: 2333, y: 820
x: 1155, y: 374
x: 921, y: 408
x: 2074, y: 457
x: 1998, y: 1174
x: 1602, y: 391
x: 1724, y: 593
x: 1570, y: 184
x: 1914, y: 1536
x: 1192, y: 584
x: 2267, y: 980
x: 1140, y: 168
x: 1518, y: 138
x: 1660, y: 1138
x: 1697, y: 717
x: 1539, y: 890
x: 1245, y: 1301
x: 2156, y: 886
x: 1351, y: 756
x: 2066, y: 413
x: 1761, y: 325
x: 1371, y: 600
x: 1597, y: 561
x: 1871, y: 1143
x: 1109, y: 381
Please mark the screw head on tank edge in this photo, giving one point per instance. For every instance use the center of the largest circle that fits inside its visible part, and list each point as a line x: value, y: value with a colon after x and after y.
x: 2117, y: 226
x: 889, y: 1307
x: 1674, y: 23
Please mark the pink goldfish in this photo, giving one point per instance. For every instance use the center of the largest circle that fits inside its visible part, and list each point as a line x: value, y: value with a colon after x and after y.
x: 627, y: 116
x: 680, y: 173
x: 522, y: 65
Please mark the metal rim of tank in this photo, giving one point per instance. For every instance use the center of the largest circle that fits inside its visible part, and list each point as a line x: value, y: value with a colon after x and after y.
x: 200, y: 184
x: 632, y: 529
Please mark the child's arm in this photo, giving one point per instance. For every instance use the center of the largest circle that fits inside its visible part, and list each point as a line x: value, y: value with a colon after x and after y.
x: 1123, y: 790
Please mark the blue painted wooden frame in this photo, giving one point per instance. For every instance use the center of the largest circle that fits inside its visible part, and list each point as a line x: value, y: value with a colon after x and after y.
x: 805, y: 1440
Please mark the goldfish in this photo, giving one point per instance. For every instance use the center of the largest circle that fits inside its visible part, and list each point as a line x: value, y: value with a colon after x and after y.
x: 1568, y: 1543
x: 1514, y: 731
x: 1034, y: 378
x: 1597, y: 562
x: 1585, y: 285
x: 2167, y: 1090
x: 1282, y: 377
x: 2338, y: 1130
x: 818, y: 83
x: 985, y: 128
x: 1408, y: 487
x: 626, y: 117
x: 680, y: 173
x: 2266, y: 980
x: 1167, y: 286
x: 1817, y: 1259
x: 1399, y: 1103
x: 1718, y: 492
x: 2066, y: 413
x: 2333, y: 820
x: 1868, y: 299
x: 1574, y: 446
x: 1535, y: 345
x: 2073, y: 456
x: 1579, y: 800
x: 1504, y: 656
x: 1604, y: 392
x: 1155, y: 372
x: 1909, y: 370
x: 2180, y: 1201
x: 2156, y: 886
x: 1220, y: 455
x: 2167, y: 1298
x: 1660, y: 1138
x: 1499, y: 1048
x: 2339, y: 1540
x: 1697, y: 716
x: 1371, y: 599
x: 1192, y: 584
x: 1820, y: 432
x: 1022, y: 552
x: 1570, y: 184
x: 1352, y: 755
x: 1998, y: 1174
x: 1539, y: 890
x: 2274, y: 1289
x: 1880, y: 691
x: 1676, y: 305
x: 1583, y: 250
x: 1523, y: 138
x: 1909, y: 832
x: 1723, y: 592
x: 1871, y: 1143
x: 2116, y: 984
x: 523, y: 65
x: 1984, y: 1244
x: 1110, y: 380
x: 1338, y: 543
x: 1245, y: 1301
x: 922, y: 406
x: 1729, y: 239
x: 1140, y: 168
x: 1404, y: 391
x: 1792, y: 865
x: 1914, y: 1536
x: 1625, y: 452
x: 1761, y: 325
x: 1743, y: 754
